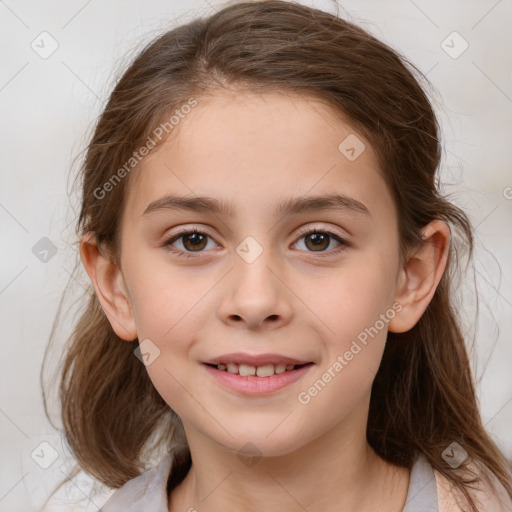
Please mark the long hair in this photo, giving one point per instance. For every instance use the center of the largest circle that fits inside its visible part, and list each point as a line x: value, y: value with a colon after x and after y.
x: 423, y: 396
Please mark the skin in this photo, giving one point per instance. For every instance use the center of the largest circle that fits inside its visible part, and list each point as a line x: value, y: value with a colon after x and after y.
x: 257, y: 150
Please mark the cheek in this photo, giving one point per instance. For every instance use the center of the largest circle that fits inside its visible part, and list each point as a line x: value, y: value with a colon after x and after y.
x: 357, y: 310
x: 355, y: 297
x: 165, y: 296
x: 170, y: 306
x: 358, y: 315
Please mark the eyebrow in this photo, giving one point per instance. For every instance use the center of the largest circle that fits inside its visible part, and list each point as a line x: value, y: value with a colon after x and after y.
x: 291, y: 206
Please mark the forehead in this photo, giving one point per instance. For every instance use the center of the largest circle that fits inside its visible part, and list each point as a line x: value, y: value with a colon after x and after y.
x: 253, y: 150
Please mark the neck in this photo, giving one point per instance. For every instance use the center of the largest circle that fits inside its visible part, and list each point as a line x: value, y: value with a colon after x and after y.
x: 337, y: 471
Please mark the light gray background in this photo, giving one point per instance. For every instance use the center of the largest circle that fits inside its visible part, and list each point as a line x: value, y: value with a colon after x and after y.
x: 48, y: 106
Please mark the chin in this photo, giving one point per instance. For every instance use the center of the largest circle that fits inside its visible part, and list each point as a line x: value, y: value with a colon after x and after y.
x: 259, y: 441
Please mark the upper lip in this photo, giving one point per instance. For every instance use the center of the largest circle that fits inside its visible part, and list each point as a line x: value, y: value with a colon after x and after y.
x: 255, y: 360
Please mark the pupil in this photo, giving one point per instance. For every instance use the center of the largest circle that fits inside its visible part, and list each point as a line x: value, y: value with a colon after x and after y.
x: 318, y: 239
x: 195, y: 239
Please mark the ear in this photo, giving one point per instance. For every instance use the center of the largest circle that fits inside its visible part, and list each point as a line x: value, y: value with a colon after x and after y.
x: 110, y: 287
x: 420, y: 275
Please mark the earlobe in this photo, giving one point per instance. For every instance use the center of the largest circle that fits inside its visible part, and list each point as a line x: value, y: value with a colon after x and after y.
x: 420, y: 276
x: 110, y: 287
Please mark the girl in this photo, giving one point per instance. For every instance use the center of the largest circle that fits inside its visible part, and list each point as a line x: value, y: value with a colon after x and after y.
x: 272, y: 263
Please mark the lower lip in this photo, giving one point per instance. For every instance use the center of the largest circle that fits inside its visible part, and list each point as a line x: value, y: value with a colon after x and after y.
x: 253, y: 385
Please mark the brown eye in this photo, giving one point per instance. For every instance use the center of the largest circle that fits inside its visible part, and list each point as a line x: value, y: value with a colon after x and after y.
x: 317, y: 240
x: 192, y: 241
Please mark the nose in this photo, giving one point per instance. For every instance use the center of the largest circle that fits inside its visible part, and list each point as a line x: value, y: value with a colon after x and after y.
x: 255, y: 294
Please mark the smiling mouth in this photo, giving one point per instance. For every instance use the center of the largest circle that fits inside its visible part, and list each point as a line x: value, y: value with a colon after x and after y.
x: 267, y: 370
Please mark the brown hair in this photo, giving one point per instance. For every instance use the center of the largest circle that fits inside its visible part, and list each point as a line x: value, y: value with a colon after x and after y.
x: 423, y: 396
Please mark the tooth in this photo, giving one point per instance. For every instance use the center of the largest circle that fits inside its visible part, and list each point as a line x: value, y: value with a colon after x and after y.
x: 289, y: 367
x: 265, y: 371
x: 245, y: 369
x: 221, y: 366
x: 280, y: 368
x: 232, y: 368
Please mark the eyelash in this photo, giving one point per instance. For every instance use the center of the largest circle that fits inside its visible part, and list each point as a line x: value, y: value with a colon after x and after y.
x: 187, y: 254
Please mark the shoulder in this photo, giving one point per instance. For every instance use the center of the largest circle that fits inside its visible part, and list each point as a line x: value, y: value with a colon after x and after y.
x: 487, y: 497
x: 147, y: 491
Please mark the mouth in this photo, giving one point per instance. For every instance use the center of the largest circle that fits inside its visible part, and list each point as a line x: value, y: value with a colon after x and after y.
x: 256, y: 375
x: 263, y: 371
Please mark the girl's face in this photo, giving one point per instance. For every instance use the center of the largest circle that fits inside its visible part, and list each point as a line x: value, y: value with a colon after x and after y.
x: 254, y: 282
